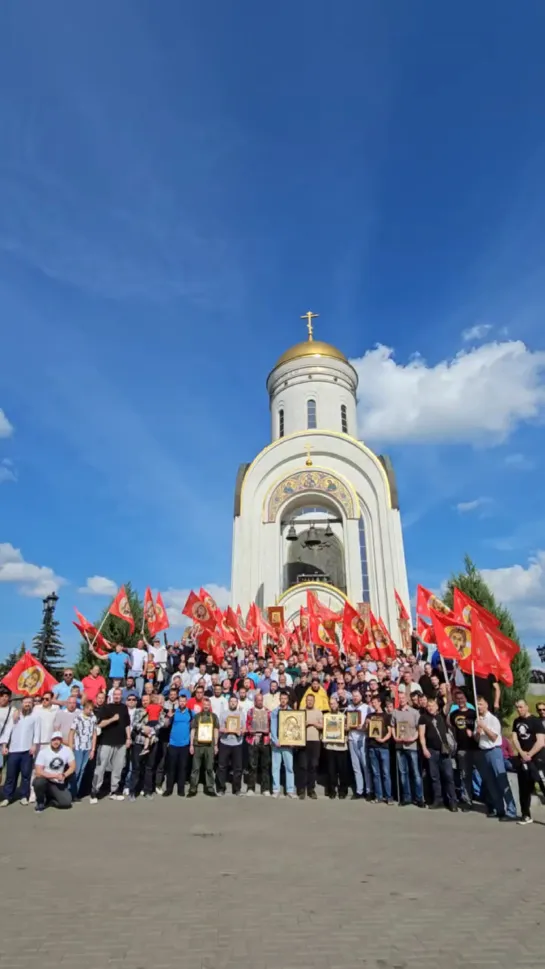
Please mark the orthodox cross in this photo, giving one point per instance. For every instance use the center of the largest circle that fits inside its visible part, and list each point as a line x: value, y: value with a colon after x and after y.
x: 309, y: 317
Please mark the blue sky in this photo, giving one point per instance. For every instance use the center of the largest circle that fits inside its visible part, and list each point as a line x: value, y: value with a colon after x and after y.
x: 178, y: 183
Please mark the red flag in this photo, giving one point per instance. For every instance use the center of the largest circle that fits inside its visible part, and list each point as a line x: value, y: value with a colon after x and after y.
x: 149, y: 611
x: 120, y: 607
x: 199, y: 611
x: 304, y: 629
x: 355, y: 634
x: 391, y: 649
x: 28, y: 677
x: 161, y: 616
x: 426, y: 600
x: 261, y: 626
x: 315, y: 606
x: 492, y: 651
x: 425, y: 631
x: 464, y: 606
x: 401, y: 610
x: 227, y: 634
x: 453, y: 638
x: 101, y: 646
x: 208, y: 600
x: 82, y: 620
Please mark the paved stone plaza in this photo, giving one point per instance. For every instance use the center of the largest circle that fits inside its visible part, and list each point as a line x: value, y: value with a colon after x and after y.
x: 262, y: 883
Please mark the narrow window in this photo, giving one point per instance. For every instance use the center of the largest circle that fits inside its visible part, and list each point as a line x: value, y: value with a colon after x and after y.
x: 311, y: 414
x: 281, y: 423
x: 344, y: 421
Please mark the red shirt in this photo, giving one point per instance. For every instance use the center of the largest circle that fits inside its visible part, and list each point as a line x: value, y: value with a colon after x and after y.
x: 154, y: 711
x: 194, y: 705
x: 92, y: 686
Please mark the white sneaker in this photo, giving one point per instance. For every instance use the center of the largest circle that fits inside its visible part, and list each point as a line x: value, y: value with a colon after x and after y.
x: 250, y: 793
x: 525, y: 820
x: 266, y: 793
x: 4, y: 803
x: 126, y: 792
x: 292, y: 794
x: 32, y: 798
x: 24, y: 801
x: 93, y: 800
x: 118, y: 797
x: 221, y: 793
x: 159, y: 791
x: 276, y: 794
x: 112, y: 797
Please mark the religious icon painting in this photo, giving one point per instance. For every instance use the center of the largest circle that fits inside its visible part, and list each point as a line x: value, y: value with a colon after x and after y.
x: 232, y: 724
x: 205, y: 732
x: 292, y: 728
x: 333, y: 731
x: 353, y: 720
x: 402, y: 730
x: 375, y: 728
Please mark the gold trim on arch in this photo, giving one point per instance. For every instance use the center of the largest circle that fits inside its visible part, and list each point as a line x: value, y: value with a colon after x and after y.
x: 345, y: 437
x: 316, y: 585
x: 334, y: 499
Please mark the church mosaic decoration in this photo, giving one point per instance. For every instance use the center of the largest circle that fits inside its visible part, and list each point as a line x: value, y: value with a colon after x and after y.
x: 317, y: 481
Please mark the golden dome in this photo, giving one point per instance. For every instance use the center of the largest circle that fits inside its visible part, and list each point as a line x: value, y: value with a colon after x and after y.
x: 310, y: 348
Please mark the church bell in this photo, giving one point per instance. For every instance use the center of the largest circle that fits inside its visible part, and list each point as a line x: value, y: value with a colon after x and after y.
x: 312, y: 539
x: 292, y: 534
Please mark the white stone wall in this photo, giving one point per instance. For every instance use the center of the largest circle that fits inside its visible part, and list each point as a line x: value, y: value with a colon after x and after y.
x: 331, y: 383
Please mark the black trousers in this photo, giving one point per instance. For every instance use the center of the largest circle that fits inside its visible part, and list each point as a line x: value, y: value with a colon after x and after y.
x: 138, y: 767
x: 528, y: 776
x: 307, y: 765
x: 259, y: 766
x: 229, y: 756
x: 337, y: 771
x: 58, y: 794
x: 442, y: 777
x: 177, y: 763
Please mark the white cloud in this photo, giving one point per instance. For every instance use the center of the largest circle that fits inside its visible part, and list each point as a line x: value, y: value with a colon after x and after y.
x: 464, y: 506
x: 7, y: 472
x: 31, y: 580
x: 98, y: 585
x: 175, y: 600
x: 519, y: 462
x: 6, y: 429
x: 477, y: 332
x: 522, y: 590
x: 481, y: 395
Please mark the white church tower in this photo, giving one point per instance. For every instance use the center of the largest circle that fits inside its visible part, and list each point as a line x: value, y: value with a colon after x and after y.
x: 317, y: 509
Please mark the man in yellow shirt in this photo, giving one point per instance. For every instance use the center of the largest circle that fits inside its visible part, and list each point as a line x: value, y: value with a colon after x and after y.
x: 321, y: 699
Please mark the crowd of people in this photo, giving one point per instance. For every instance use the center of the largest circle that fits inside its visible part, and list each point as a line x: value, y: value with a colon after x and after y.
x: 167, y: 717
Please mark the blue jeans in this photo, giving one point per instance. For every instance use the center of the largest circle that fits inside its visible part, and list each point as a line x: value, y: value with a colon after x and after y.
x: 18, y: 764
x: 358, y: 756
x: 379, y: 758
x: 409, y: 775
x: 283, y: 755
x: 82, y: 759
x: 498, y: 794
x: 138, y: 684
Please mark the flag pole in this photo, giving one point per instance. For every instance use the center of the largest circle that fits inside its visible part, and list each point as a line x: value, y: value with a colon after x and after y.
x: 474, y: 682
x: 107, y: 613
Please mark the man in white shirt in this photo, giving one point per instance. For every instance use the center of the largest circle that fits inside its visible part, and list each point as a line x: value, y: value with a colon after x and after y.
x: 279, y: 670
x: 497, y: 792
x: 218, y: 701
x: 20, y: 746
x: 54, y: 765
x: 158, y: 653
x: 407, y: 684
x: 357, y: 743
x: 139, y: 658
x: 7, y: 719
x: 194, y: 675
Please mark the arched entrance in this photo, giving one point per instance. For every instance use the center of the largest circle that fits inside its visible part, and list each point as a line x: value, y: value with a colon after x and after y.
x: 323, y: 562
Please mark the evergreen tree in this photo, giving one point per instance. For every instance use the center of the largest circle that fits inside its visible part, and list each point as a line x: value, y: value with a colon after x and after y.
x: 47, y: 645
x: 115, y: 631
x: 9, y: 662
x: 472, y: 583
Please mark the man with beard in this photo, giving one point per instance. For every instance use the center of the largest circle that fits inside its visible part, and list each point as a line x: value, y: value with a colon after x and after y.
x: 529, y: 743
x: 55, y: 763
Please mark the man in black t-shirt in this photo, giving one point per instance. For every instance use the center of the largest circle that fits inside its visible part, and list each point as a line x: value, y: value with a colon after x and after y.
x: 114, y: 726
x: 489, y: 688
x: 529, y: 743
x: 432, y: 734
x: 379, y: 730
x: 462, y: 721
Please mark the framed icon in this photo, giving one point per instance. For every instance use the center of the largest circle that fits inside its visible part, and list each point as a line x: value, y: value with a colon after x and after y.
x: 333, y: 732
x: 260, y: 721
x: 375, y: 728
x: 232, y: 724
x: 403, y: 730
x: 205, y: 731
x: 292, y: 728
x: 353, y: 720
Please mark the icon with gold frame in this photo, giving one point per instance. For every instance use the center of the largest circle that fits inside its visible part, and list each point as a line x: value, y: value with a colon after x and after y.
x: 333, y: 732
x: 292, y: 728
x: 403, y: 730
x: 375, y: 728
x: 353, y: 719
x: 232, y: 724
x: 205, y: 731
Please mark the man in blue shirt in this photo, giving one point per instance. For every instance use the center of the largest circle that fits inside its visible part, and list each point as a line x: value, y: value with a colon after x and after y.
x: 63, y: 690
x: 118, y: 663
x: 179, y: 719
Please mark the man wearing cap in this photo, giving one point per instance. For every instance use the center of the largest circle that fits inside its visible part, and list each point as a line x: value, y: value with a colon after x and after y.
x: 55, y: 763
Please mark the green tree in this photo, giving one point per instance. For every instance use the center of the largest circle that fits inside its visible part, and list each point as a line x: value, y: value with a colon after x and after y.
x: 115, y: 631
x: 10, y: 660
x: 472, y: 583
x: 47, y: 645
